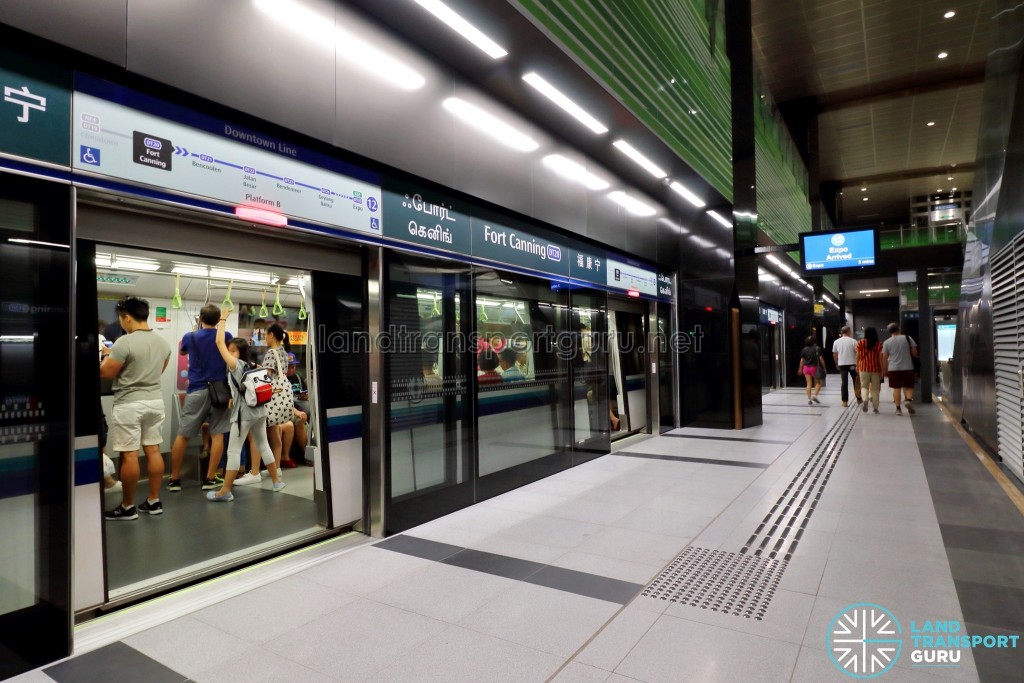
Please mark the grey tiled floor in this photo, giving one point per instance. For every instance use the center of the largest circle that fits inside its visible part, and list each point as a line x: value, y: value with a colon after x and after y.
x: 419, y: 612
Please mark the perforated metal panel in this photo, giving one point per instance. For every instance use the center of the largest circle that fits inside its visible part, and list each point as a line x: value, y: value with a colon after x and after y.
x: 1008, y: 335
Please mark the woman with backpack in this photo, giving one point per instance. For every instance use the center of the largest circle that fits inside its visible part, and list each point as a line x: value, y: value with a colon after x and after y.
x: 248, y: 412
x: 812, y: 367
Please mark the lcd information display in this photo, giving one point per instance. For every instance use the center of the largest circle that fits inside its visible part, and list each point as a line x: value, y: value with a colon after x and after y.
x: 841, y: 250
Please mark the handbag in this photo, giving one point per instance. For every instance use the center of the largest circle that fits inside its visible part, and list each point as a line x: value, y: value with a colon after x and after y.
x: 915, y: 359
x: 819, y: 369
x: 218, y: 390
x: 283, y: 400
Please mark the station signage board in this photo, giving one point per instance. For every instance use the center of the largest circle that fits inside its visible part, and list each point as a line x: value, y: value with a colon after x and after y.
x: 218, y: 160
x: 35, y: 111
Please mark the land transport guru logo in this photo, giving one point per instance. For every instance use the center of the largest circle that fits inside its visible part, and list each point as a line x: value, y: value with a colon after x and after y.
x: 865, y: 640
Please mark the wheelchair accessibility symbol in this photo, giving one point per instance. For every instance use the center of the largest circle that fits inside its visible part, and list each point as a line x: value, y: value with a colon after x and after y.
x: 90, y: 155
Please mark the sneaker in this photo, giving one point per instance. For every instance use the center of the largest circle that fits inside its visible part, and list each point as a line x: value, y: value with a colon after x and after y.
x: 121, y: 514
x: 860, y: 400
x: 845, y: 404
x: 815, y: 399
x: 910, y: 407
x: 174, y: 485
x: 875, y: 410
x: 810, y: 403
x: 264, y: 474
x: 210, y: 485
x: 279, y: 486
x: 864, y: 407
x: 218, y: 478
x: 226, y: 498
x: 247, y: 479
x: 899, y: 411
x: 154, y: 508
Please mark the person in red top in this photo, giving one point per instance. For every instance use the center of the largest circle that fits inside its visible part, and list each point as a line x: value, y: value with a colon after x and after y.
x: 869, y: 365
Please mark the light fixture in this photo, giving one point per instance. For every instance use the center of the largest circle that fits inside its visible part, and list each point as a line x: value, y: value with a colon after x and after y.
x: 37, y: 243
x: 255, y: 214
x: 126, y: 263
x: 953, y: 190
x: 17, y: 338
x: 631, y: 204
x: 864, y: 198
x: 639, y: 158
x: 687, y: 194
x: 943, y: 55
x: 103, y: 260
x: 938, y: 287
x: 863, y: 189
x: 567, y: 168
x: 949, y: 178
x: 491, y: 125
x: 774, y: 260
x: 718, y: 217
x: 874, y: 291
x: 240, y: 275
x: 318, y: 28
x: 190, y: 269
x: 949, y: 15
x: 458, y: 23
x: 558, y: 97
x: 930, y: 124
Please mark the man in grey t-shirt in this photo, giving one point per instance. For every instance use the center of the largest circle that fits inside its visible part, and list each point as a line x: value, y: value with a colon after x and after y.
x: 135, y: 363
x: 898, y: 353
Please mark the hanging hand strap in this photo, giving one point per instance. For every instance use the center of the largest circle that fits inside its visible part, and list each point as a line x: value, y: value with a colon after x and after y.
x: 176, y: 299
x: 263, y: 305
x: 227, y: 304
x: 302, y: 314
x: 278, y: 308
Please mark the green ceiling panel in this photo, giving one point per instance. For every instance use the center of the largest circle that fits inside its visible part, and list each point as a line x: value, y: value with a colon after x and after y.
x: 664, y: 60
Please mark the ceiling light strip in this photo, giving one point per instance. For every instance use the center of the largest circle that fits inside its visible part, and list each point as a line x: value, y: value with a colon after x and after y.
x: 558, y: 97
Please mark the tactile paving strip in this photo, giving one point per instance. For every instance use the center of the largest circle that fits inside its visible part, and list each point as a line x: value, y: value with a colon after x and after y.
x: 740, y: 585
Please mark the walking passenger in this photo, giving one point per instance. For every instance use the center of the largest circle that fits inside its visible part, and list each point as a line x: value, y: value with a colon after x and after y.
x: 898, y: 354
x: 844, y: 351
x: 246, y: 420
x: 869, y: 367
x: 812, y: 367
x: 205, y: 366
x: 135, y: 363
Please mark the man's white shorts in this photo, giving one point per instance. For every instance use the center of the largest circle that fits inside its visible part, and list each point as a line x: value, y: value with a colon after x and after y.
x: 136, y: 424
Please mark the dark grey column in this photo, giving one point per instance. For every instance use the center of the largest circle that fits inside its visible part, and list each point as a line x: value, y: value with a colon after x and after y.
x: 926, y: 332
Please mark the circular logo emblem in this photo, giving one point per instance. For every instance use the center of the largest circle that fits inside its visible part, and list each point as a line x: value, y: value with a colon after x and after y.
x: 864, y: 640
x: 838, y: 240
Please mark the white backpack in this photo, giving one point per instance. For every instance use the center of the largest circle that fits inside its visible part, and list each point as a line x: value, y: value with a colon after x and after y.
x: 256, y: 388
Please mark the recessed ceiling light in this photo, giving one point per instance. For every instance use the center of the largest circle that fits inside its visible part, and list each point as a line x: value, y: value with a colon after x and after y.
x: 491, y: 125
x: 865, y: 198
x: 949, y: 178
x: 863, y: 189
x: 953, y: 190
x: 943, y: 55
x: 930, y: 124
x: 687, y: 194
x: 463, y: 27
x: 874, y: 291
x: 558, y: 97
x: 631, y: 152
x: 949, y: 15
x: 726, y: 223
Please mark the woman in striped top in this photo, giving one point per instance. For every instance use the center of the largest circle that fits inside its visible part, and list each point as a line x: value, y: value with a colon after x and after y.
x: 869, y: 366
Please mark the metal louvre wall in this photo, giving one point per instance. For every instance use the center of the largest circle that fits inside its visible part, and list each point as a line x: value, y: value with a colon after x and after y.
x: 1008, y: 334
x: 657, y: 57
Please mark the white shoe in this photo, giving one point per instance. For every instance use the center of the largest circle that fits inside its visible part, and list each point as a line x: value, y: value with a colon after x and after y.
x: 247, y: 479
x: 264, y: 474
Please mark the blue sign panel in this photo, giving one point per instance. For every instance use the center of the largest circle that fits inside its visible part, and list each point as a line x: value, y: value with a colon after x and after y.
x: 838, y: 250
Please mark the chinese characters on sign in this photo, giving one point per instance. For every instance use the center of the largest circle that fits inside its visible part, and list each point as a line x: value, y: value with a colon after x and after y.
x: 31, y: 101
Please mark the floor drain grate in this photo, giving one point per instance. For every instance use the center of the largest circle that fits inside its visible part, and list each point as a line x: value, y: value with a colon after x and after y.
x: 731, y: 583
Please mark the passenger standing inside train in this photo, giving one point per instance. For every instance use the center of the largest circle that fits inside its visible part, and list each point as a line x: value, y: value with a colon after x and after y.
x: 294, y: 431
x: 507, y: 361
x: 898, y: 353
x: 204, y: 366
x: 844, y: 351
x: 281, y: 408
x: 135, y: 363
x: 245, y: 420
x: 869, y: 367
